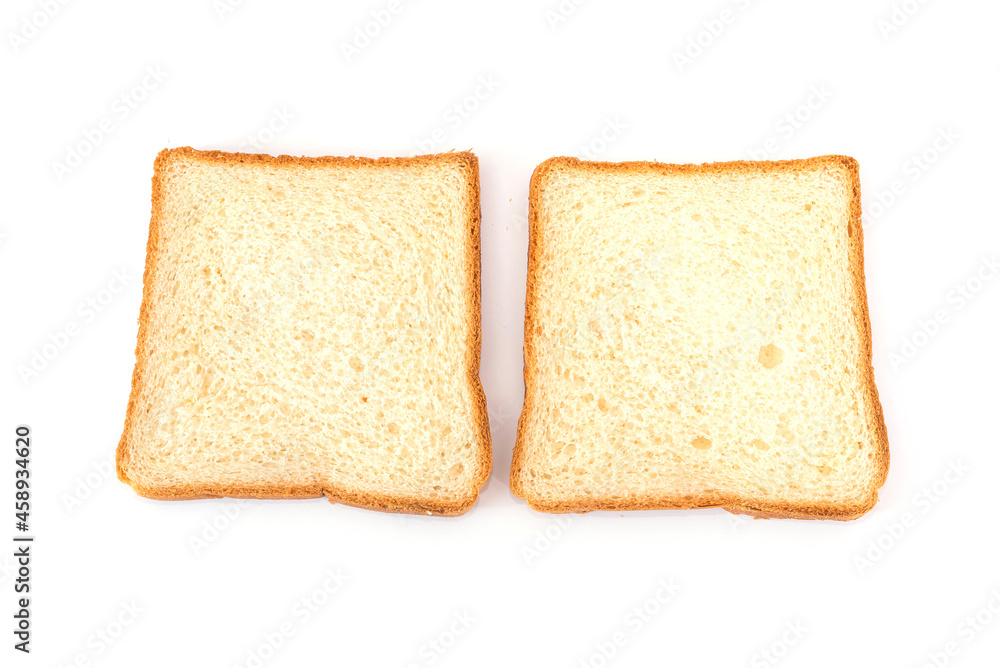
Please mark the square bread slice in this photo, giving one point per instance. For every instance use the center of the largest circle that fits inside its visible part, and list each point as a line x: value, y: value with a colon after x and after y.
x: 310, y: 327
x: 698, y: 336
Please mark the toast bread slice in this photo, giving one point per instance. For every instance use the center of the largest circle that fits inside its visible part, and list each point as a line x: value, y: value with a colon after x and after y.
x: 698, y: 336
x: 311, y: 327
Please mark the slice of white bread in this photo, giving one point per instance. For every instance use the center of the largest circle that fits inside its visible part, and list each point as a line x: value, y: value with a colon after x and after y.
x: 309, y: 327
x: 698, y: 336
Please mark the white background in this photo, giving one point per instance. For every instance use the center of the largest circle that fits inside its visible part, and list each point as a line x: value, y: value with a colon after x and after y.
x: 742, y: 583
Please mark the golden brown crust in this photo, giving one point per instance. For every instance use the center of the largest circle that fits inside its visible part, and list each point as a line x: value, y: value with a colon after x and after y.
x: 517, y: 457
x: 374, y: 501
x: 731, y: 503
x: 389, y: 504
x: 475, y: 316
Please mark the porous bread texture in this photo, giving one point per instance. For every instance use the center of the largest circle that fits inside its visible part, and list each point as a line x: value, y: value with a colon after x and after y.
x: 698, y: 336
x: 309, y: 327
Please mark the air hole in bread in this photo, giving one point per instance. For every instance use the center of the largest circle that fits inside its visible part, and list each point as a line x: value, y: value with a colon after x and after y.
x: 770, y: 356
x: 701, y: 443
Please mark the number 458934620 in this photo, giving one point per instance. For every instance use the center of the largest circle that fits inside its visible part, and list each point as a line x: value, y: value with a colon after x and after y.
x: 22, y: 473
